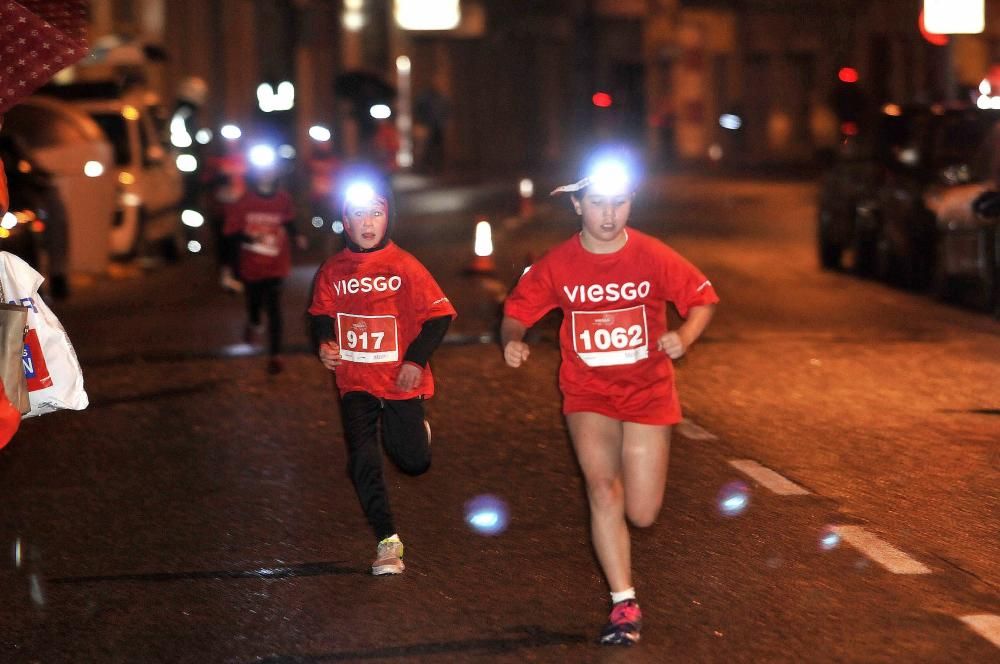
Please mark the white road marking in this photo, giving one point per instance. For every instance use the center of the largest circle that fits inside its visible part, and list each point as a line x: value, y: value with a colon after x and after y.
x: 692, y: 431
x: 767, y: 477
x: 986, y: 625
x: 881, y: 552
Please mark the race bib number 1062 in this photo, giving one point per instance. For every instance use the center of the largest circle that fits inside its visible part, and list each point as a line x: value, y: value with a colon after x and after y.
x: 369, y: 339
x: 610, y: 338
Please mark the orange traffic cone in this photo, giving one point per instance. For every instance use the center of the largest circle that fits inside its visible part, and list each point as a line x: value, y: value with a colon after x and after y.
x: 482, y: 261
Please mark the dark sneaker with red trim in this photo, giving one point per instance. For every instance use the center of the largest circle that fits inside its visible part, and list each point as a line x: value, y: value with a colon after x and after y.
x: 623, y: 625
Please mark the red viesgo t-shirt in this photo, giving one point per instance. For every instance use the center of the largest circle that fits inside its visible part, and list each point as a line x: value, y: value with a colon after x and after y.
x: 378, y: 300
x: 267, y: 253
x: 615, y: 310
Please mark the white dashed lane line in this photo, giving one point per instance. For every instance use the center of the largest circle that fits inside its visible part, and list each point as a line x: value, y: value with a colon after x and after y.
x: 985, y: 625
x: 692, y: 431
x: 880, y: 551
x: 768, y: 478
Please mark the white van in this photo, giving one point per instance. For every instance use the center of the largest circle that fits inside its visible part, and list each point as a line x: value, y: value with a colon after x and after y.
x: 69, y: 146
x: 150, y: 188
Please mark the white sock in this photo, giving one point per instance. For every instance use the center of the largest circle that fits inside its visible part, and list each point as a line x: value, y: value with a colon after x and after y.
x: 628, y: 593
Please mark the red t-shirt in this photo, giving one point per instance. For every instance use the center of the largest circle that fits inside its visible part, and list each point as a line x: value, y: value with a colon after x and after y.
x: 379, y: 301
x: 615, y: 310
x: 266, y: 254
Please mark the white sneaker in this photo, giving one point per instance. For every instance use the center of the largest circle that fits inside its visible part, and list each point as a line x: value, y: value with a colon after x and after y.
x: 388, y: 557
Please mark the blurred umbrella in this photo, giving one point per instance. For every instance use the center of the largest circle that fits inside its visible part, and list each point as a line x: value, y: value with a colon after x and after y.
x: 39, y: 38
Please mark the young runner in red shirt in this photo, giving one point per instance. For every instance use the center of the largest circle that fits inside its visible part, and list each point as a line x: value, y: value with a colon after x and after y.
x: 261, y: 220
x: 379, y: 315
x: 616, y: 376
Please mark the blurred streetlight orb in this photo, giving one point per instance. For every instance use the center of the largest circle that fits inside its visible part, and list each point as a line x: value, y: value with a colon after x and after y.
x: 483, y: 243
x: 730, y: 121
x: 194, y: 246
x: 9, y: 221
x: 203, y: 136
x: 187, y: 163
x: 320, y: 133
x: 192, y: 218
x: 337, y: 226
x: 526, y: 187
x: 353, y: 20
x: 380, y: 111
x: 230, y: 132
x: 286, y: 152
x: 403, y: 64
x: 317, y: 222
x: 93, y: 169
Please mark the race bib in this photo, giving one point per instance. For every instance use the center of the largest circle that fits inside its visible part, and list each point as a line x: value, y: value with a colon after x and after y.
x: 368, y: 339
x: 611, y: 338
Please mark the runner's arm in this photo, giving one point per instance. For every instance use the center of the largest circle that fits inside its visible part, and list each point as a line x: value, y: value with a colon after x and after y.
x: 431, y: 335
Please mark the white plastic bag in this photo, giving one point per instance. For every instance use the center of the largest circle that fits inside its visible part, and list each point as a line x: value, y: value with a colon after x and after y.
x: 55, y: 380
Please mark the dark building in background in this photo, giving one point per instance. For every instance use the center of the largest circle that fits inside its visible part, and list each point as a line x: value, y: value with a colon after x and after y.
x: 528, y: 83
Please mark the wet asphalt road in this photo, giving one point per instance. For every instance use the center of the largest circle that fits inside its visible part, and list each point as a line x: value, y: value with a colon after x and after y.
x: 199, y: 510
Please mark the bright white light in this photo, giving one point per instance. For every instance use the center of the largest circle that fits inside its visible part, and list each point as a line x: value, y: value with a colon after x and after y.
x: 194, y: 246
x: 317, y: 222
x: 285, y: 96
x: 9, y: 221
x: 179, y: 136
x: 428, y: 14
x: 353, y: 20
x: 262, y: 156
x: 187, y: 163
x: 203, y: 136
x: 130, y: 199
x: 402, y: 64
x: 527, y: 188
x: 405, y: 158
x: 829, y: 540
x: 192, y: 218
x: 733, y: 499
x: 483, y: 245
x: 730, y: 121
x: 93, y: 169
x: 320, y: 133
x: 952, y: 17
x: 609, y: 178
x: 230, y: 132
x: 354, y: 5
x: 379, y: 111
x: 486, y: 515
x: 337, y: 226
x: 984, y: 87
x: 265, y: 97
x: 359, y: 194
x: 286, y: 152
x: 983, y: 102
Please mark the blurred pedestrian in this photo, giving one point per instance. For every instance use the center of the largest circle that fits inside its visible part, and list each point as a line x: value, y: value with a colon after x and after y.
x: 262, y: 222
x: 613, y: 284
x: 225, y: 176
x: 378, y: 316
x: 430, y: 115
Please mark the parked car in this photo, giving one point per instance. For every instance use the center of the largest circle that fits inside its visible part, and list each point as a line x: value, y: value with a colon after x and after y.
x: 60, y: 163
x: 848, y: 222
x: 150, y: 189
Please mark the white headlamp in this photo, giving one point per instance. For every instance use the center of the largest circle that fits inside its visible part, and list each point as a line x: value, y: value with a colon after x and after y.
x: 608, y: 177
x: 360, y: 194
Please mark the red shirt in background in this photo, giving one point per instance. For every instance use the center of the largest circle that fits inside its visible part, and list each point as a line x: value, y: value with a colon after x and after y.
x: 266, y: 251
x: 379, y: 301
x: 615, y: 310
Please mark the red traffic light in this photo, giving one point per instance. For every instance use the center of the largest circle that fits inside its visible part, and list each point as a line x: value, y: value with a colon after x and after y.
x: 601, y: 99
x: 848, y: 75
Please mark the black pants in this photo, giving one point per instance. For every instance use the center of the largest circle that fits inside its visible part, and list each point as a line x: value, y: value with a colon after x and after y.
x: 266, y: 294
x: 404, y: 439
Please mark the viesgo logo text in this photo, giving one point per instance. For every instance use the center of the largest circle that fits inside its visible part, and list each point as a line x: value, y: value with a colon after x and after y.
x: 607, y: 293
x: 368, y: 284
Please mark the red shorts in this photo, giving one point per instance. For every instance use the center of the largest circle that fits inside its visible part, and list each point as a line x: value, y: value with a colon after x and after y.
x: 657, y: 405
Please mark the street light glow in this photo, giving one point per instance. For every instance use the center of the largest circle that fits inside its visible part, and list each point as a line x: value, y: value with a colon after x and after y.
x: 380, y: 111
x: 319, y: 133
x: 953, y: 17
x: 427, y: 14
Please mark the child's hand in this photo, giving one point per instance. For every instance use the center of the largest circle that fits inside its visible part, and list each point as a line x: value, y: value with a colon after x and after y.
x: 408, y: 377
x: 329, y: 355
x: 672, y: 344
x: 515, y: 353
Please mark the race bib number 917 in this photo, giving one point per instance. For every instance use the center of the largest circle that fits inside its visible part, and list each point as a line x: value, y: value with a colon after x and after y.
x: 611, y: 338
x: 368, y: 339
